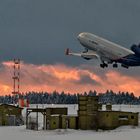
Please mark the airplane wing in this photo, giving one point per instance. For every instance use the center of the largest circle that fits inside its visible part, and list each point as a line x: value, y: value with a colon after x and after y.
x: 86, y: 55
x: 90, y: 55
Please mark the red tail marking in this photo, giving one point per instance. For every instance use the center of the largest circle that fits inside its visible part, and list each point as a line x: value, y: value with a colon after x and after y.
x: 67, y: 51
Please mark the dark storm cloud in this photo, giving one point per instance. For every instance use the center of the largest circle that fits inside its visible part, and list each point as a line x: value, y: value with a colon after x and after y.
x: 38, y: 31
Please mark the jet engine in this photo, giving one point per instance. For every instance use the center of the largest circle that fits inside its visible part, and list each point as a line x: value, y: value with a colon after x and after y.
x: 86, y: 58
x: 136, y: 49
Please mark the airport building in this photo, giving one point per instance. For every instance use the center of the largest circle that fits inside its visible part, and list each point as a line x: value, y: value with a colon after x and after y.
x: 90, y: 116
x: 10, y: 115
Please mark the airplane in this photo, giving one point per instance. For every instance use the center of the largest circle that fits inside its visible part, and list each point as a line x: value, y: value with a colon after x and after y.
x: 107, y: 52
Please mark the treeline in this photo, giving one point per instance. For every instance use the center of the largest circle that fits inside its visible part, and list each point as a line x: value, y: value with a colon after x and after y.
x: 63, y: 98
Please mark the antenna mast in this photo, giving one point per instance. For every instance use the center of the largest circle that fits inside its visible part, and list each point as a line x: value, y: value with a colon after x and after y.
x: 16, y: 80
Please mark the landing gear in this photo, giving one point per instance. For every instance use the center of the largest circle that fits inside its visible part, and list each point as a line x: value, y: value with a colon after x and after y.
x: 115, y: 65
x: 103, y: 65
x: 125, y: 66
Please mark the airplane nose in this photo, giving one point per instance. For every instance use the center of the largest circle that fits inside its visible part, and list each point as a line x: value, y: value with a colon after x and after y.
x: 80, y: 36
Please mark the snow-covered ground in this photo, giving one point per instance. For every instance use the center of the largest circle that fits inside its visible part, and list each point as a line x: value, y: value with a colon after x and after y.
x: 124, y: 133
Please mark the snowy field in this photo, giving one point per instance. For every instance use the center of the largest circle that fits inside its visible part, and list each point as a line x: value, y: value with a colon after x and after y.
x: 121, y: 133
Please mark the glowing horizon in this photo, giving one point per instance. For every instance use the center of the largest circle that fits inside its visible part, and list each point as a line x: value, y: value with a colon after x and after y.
x: 65, y: 78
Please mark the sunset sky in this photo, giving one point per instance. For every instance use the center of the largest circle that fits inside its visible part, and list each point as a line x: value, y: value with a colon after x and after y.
x: 38, y: 31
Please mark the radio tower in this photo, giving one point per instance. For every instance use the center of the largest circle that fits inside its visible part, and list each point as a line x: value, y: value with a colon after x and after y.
x: 16, y: 80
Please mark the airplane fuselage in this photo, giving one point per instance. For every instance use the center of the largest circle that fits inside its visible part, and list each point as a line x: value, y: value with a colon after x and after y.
x: 108, y: 51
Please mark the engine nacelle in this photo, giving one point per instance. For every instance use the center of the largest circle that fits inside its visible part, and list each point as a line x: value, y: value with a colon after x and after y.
x: 87, y: 57
x: 136, y: 49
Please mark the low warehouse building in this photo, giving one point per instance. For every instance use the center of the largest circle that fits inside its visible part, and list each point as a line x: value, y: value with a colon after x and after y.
x: 10, y: 115
x: 52, y: 117
x: 114, y: 119
x: 61, y: 122
x: 91, y: 115
x: 70, y: 122
x: 53, y: 122
x: 57, y: 110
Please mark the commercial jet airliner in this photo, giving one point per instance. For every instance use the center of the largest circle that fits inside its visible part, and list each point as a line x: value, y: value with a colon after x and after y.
x: 107, y: 52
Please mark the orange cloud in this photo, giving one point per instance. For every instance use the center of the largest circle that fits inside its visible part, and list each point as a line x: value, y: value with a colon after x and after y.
x: 61, y: 77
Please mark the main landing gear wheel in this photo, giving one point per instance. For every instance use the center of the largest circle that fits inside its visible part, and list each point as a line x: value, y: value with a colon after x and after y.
x: 125, y: 66
x: 103, y: 65
x: 115, y: 65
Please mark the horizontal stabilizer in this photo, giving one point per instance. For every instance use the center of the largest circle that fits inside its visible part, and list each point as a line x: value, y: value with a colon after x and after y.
x: 67, y: 52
